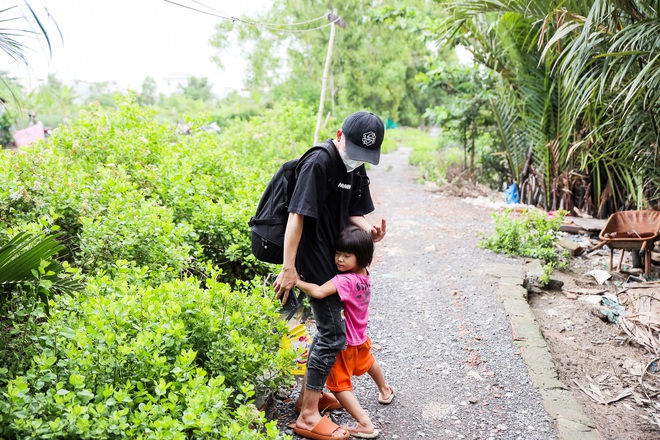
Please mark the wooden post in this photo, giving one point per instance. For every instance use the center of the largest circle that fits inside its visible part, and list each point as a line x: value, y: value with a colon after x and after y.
x: 333, y: 18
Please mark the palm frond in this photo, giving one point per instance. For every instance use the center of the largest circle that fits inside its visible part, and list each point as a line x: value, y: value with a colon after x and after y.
x: 26, y: 260
x: 32, y: 27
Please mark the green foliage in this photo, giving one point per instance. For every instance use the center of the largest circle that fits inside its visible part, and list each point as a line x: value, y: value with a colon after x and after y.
x: 148, y: 94
x: 169, y: 338
x: 197, y: 89
x: 130, y: 227
x: 125, y: 186
x: 281, y: 133
x: 235, y: 107
x: 31, y: 26
x: 577, y: 86
x: 5, y: 126
x: 124, y: 358
x: 532, y: 234
x: 373, y: 64
x: 29, y: 279
x: 21, y: 317
x: 432, y: 155
x: 389, y: 143
x: 26, y: 264
x: 54, y: 102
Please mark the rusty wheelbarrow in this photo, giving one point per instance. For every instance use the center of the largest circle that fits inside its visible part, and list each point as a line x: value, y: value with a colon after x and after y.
x: 632, y: 230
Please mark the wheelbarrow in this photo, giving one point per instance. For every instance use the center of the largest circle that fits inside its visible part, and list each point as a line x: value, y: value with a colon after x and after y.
x: 633, y: 231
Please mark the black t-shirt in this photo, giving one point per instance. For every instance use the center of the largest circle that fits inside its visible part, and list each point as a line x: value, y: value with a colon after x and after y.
x: 327, y: 196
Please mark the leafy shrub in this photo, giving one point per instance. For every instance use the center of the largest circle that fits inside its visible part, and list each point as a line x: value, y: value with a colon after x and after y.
x: 533, y: 234
x: 124, y: 360
x: 425, y: 154
x: 128, y: 136
x: 29, y: 277
x: 123, y: 186
x: 282, y: 133
x: 154, y: 351
x: 123, y: 225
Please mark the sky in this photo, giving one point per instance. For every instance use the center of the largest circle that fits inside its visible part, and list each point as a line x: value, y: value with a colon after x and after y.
x: 126, y: 40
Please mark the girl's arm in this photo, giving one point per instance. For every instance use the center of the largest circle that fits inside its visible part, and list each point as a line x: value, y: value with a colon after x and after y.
x: 377, y: 231
x: 316, y: 291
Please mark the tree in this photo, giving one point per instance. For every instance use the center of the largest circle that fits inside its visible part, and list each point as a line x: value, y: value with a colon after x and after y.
x: 149, y: 94
x: 53, y: 101
x: 102, y: 93
x: 373, y: 64
x: 578, y: 94
x: 606, y: 54
x: 197, y: 89
x: 465, y: 107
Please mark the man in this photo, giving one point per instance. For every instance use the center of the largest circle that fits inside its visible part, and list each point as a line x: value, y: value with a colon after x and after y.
x: 331, y: 192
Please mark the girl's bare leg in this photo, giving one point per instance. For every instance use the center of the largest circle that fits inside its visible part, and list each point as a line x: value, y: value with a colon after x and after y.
x: 377, y: 375
x: 351, y: 404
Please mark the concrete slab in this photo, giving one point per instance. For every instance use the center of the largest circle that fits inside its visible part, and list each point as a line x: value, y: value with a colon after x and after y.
x: 572, y: 423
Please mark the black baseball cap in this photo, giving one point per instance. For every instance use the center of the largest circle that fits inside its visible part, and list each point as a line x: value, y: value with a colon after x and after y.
x: 364, y: 133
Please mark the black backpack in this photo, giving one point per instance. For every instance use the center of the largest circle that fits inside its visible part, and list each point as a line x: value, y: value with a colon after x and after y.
x: 269, y: 222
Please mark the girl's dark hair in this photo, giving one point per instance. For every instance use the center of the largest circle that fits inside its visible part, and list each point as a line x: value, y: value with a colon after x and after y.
x: 357, y: 241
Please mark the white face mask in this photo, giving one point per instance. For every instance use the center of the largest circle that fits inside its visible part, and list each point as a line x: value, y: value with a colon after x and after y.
x: 350, y: 164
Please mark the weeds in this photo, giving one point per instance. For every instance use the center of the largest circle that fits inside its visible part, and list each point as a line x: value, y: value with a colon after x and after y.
x: 532, y: 234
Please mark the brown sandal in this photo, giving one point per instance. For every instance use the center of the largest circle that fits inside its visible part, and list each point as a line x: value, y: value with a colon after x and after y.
x: 322, y: 431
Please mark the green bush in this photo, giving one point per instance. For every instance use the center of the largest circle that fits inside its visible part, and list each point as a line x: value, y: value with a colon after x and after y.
x: 30, y: 276
x: 124, y: 186
x: 150, y: 352
x: 425, y: 151
x: 532, y: 234
x: 127, y: 360
x: 135, y: 229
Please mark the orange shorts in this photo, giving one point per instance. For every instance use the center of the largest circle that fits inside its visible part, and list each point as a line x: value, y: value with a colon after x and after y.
x: 355, y: 360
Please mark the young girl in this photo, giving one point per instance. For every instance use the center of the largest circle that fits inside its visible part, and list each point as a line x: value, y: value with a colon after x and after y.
x: 354, y: 251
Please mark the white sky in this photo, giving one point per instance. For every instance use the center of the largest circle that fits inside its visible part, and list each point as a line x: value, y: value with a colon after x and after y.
x: 126, y: 40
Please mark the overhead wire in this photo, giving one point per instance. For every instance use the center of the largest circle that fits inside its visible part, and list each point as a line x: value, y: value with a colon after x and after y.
x: 272, y: 27
x: 262, y: 24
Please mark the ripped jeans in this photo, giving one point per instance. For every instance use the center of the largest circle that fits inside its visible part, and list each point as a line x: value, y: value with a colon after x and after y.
x: 329, y: 341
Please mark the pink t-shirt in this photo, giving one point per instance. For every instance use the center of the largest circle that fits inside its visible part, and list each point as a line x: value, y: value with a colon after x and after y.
x: 355, y: 293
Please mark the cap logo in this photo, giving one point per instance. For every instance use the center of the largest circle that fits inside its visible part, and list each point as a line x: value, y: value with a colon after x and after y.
x: 368, y: 138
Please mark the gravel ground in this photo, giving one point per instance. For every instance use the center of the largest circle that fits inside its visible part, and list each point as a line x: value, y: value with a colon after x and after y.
x: 441, y: 336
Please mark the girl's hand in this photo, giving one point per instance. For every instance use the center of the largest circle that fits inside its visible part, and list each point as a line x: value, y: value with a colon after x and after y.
x: 378, y: 232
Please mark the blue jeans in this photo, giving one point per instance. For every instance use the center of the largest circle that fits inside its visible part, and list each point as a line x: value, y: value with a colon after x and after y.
x: 329, y: 341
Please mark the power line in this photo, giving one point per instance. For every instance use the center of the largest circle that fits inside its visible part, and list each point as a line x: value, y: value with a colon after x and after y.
x: 262, y: 24
x: 272, y: 27
x: 203, y: 12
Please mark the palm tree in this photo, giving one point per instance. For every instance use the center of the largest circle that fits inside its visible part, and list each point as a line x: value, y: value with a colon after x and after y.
x: 609, y: 62
x: 579, y: 92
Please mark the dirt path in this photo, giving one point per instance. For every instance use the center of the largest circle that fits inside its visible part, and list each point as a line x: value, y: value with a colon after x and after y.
x: 446, y: 344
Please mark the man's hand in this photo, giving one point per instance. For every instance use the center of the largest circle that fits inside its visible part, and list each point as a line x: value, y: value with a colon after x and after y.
x: 378, y: 232
x: 284, y: 282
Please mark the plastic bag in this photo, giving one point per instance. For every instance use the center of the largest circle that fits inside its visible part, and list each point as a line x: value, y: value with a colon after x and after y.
x: 511, y: 193
x: 298, y: 338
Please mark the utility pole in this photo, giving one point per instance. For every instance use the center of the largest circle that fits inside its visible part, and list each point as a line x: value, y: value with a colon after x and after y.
x: 335, y: 20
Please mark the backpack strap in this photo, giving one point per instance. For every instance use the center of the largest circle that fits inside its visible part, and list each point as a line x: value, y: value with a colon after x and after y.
x: 329, y: 147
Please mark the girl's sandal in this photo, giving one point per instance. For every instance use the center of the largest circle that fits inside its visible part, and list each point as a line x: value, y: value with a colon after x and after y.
x: 386, y: 400
x: 355, y: 432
